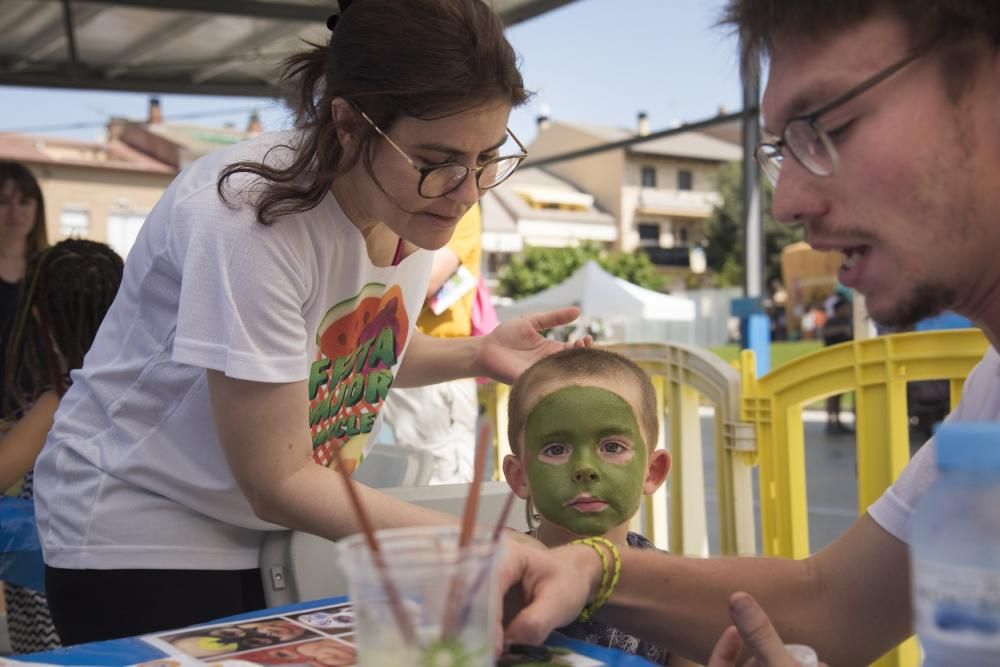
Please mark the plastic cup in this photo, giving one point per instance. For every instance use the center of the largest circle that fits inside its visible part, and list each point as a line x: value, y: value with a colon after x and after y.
x: 434, y: 579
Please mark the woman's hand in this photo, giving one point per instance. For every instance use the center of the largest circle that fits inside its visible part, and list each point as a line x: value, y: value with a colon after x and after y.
x: 513, y: 346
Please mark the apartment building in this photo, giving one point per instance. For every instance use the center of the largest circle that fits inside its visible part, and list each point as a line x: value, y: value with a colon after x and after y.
x: 535, y: 208
x: 660, y: 191
x: 95, y: 190
x: 103, y: 190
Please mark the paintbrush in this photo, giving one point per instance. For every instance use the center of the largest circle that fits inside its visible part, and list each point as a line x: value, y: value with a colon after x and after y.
x: 395, y: 601
x: 448, y: 629
x: 481, y: 577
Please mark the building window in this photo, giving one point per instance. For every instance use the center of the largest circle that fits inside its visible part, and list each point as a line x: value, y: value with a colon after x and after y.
x: 123, y: 229
x: 649, y: 177
x: 74, y: 222
x: 649, y: 235
x: 684, y: 179
x: 682, y: 235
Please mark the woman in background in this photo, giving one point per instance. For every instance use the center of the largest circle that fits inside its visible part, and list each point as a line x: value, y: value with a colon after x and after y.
x: 67, y: 290
x: 22, y: 234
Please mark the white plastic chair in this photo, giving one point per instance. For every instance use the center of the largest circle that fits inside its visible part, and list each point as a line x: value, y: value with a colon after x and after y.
x: 388, y: 466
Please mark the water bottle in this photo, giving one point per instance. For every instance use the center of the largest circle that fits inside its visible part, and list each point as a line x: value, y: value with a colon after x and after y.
x: 955, y: 550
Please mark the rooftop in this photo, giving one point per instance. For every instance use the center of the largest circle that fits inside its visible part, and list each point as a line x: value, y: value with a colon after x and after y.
x: 695, y: 145
x: 68, y: 152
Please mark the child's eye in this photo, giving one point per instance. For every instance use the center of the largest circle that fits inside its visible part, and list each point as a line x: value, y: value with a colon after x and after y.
x: 614, y: 447
x: 555, y: 450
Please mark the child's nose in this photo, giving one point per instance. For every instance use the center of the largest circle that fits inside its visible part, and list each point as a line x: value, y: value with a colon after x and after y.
x: 585, y: 474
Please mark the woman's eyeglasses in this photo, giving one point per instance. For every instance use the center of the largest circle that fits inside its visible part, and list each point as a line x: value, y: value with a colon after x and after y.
x: 438, y: 180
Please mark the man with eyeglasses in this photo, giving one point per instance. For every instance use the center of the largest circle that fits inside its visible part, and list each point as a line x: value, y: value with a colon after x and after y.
x: 883, y: 119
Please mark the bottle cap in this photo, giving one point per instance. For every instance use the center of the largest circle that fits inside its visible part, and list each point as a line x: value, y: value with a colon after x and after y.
x: 968, y: 446
x: 804, y: 655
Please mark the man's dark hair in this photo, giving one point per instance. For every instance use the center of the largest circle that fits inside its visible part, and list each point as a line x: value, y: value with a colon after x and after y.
x: 759, y: 22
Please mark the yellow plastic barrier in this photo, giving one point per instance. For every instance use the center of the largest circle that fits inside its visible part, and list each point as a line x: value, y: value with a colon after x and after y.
x: 493, y: 403
x: 877, y: 369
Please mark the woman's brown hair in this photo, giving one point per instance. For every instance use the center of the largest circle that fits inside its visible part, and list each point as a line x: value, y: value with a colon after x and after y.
x: 27, y: 185
x: 390, y: 58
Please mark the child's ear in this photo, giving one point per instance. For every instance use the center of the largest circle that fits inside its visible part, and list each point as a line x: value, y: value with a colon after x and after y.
x: 513, y: 471
x: 656, y: 470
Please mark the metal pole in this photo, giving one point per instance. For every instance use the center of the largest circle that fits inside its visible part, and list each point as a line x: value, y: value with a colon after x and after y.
x: 74, y: 60
x: 755, y: 330
x: 753, y: 283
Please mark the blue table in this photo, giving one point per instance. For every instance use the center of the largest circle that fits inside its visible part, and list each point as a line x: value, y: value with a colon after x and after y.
x: 21, y: 563
x: 132, y: 650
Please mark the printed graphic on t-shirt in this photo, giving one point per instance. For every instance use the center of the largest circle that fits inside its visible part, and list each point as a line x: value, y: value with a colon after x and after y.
x: 360, y: 341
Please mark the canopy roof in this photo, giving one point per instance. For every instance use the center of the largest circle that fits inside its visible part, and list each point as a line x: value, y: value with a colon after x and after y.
x: 206, y: 47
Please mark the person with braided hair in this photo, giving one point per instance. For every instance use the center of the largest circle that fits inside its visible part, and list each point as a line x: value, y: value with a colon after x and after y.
x: 266, y: 311
x: 67, y: 290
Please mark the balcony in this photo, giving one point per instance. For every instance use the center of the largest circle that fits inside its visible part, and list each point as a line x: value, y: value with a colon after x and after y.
x: 679, y: 257
x: 684, y: 203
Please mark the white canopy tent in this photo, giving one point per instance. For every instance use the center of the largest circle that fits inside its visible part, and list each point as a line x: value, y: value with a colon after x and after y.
x: 634, y: 313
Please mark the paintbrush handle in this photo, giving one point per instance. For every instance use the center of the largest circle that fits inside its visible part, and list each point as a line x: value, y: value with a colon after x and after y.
x: 395, y: 600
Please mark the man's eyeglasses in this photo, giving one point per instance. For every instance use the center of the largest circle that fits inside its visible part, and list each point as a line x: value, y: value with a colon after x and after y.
x: 438, y: 180
x: 807, y: 140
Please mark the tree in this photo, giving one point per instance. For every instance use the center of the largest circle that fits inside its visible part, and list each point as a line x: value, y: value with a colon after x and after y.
x: 724, y: 231
x: 537, y: 269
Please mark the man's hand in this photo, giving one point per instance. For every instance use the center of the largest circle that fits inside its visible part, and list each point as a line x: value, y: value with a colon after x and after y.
x: 555, y: 585
x: 754, y: 627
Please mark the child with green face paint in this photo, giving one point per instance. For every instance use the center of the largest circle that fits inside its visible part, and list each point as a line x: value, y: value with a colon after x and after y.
x: 583, y: 425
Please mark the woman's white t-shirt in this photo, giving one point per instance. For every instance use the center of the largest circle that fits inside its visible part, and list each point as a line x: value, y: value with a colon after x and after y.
x: 132, y: 474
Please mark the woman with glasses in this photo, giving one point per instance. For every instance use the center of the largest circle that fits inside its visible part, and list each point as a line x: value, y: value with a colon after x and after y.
x: 22, y: 234
x: 267, y: 308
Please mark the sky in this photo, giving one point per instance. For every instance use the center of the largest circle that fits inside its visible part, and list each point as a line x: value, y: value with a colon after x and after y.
x: 592, y: 61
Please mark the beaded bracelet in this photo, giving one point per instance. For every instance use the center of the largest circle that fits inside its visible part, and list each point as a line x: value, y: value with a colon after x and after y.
x: 609, y: 577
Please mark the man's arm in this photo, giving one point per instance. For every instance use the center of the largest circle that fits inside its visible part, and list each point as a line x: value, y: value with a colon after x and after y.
x: 850, y: 601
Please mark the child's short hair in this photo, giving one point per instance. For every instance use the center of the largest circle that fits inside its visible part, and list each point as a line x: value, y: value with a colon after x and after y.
x: 583, y: 363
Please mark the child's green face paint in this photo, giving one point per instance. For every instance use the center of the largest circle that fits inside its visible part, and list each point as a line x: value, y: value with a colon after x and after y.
x: 585, y: 459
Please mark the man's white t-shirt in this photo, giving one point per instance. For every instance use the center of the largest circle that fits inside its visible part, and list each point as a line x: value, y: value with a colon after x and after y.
x: 132, y: 474
x: 980, y: 403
